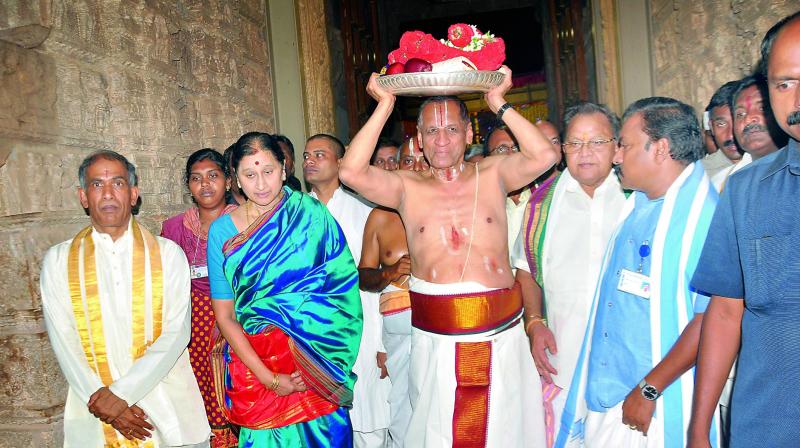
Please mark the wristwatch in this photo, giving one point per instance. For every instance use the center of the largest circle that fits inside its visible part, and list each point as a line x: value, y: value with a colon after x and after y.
x: 649, y: 392
x: 503, y: 110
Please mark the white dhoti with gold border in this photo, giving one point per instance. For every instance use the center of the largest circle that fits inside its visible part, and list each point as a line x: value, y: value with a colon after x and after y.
x: 472, y: 378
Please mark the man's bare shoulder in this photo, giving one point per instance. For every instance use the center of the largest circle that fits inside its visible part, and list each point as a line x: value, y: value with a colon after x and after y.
x: 382, y: 215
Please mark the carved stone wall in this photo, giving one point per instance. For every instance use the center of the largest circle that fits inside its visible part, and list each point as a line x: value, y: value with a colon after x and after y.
x: 152, y: 79
x: 700, y: 45
x: 315, y: 67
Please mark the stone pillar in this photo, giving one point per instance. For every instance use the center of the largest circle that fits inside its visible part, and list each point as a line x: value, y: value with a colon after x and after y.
x: 315, y: 67
x: 152, y: 80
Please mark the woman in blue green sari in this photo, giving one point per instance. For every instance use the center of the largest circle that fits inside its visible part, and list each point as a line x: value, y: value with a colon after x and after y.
x: 284, y: 289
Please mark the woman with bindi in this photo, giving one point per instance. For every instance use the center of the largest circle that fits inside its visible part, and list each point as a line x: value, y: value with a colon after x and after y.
x: 207, y: 179
x: 284, y: 288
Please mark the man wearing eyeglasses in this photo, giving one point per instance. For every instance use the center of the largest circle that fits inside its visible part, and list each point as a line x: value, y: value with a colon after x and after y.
x: 559, y: 252
x: 501, y: 142
x: 634, y: 376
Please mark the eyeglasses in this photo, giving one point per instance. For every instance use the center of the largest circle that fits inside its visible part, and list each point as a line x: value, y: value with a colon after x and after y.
x: 592, y: 145
x: 504, y: 149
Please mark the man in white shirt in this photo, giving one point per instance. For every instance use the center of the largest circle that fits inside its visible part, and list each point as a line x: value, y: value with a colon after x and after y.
x: 560, y: 267
x: 117, y: 308
x: 718, y: 124
x: 754, y: 128
x: 370, y: 413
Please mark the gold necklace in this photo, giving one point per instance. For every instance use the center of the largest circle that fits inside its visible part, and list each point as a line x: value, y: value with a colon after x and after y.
x: 274, y: 203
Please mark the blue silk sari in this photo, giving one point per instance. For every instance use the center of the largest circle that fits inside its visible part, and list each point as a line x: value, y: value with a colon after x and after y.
x: 292, y: 274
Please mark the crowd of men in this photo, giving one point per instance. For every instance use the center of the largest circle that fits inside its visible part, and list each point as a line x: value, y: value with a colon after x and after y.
x: 511, y: 303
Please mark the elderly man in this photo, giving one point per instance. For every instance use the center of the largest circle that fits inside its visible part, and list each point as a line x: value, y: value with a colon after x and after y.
x: 462, y: 363
x: 370, y: 414
x: 750, y: 265
x: 562, y: 245
x: 754, y: 129
x: 385, y: 267
x: 640, y: 346
x: 117, y: 308
x: 720, y: 127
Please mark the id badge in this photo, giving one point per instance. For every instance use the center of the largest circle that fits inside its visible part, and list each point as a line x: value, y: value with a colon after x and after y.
x: 198, y: 271
x: 634, y: 283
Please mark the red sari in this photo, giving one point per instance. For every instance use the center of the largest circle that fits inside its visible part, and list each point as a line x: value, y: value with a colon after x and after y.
x: 185, y: 230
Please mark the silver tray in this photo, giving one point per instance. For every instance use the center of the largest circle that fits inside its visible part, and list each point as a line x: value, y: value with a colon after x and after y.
x: 430, y: 83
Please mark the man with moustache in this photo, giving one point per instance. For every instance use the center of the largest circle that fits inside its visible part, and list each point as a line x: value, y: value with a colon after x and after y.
x: 635, y: 366
x: 750, y: 265
x: 753, y: 127
x: 720, y: 127
x: 116, y: 304
x: 370, y: 414
x: 559, y: 253
x: 385, y: 267
x: 463, y: 363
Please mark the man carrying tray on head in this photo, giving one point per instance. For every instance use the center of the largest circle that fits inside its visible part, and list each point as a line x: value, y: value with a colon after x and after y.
x: 472, y: 378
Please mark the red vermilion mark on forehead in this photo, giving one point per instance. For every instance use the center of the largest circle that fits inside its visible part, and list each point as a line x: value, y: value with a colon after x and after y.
x: 441, y: 111
x: 455, y: 237
x: 256, y: 162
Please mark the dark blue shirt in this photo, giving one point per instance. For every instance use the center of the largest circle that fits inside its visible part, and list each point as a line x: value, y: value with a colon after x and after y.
x: 753, y: 252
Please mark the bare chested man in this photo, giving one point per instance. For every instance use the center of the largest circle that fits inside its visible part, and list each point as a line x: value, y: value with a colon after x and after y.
x: 385, y: 267
x: 468, y: 346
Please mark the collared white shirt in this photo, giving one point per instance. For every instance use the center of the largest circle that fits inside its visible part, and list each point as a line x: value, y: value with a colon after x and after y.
x: 370, y: 410
x: 719, y: 179
x: 161, y: 382
x: 515, y: 213
x: 578, y: 230
x: 716, y: 162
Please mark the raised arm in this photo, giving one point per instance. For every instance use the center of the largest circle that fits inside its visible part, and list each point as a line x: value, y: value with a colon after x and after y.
x: 378, y: 185
x: 536, y: 153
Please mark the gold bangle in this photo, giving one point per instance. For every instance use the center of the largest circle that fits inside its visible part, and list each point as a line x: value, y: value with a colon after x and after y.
x: 275, y: 381
x: 533, y: 321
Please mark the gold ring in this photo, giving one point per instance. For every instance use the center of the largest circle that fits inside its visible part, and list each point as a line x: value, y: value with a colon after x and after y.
x: 633, y: 427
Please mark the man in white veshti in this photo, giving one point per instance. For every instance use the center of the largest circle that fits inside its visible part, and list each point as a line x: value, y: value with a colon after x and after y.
x: 472, y: 378
x: 370, y: 412
x: 117, y: 308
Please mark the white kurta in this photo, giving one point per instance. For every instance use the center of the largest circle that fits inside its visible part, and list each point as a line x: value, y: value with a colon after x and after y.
x: 370, y: 410
x: 578, y: 230
x: 719, y: 179
x: 161, y: 382
x: 716, y: 162
x: 514, y: 215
